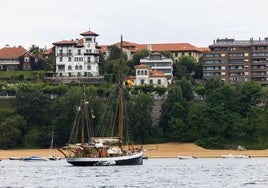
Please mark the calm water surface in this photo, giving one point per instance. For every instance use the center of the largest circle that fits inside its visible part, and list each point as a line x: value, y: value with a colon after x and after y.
x: 154, y: 173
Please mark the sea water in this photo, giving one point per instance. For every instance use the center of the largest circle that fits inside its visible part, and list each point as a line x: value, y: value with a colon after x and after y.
x: 156, y: 173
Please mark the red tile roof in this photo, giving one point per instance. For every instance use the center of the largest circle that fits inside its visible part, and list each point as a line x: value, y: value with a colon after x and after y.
x: 48, y: 51
x: 89, y: 33
x: 155, y: 73
x: 172, y: 47
x: 65, y: 42
x: 204, y: 49
x: 12, y: 52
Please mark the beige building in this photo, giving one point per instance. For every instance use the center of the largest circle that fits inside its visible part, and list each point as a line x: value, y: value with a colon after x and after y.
x: 177, y: 49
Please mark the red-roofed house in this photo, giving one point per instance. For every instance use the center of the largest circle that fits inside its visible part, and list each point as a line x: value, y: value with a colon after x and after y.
x: 145, y: 76
x: 78, y: 57
x: 14, y: 58
x: 160, y: 63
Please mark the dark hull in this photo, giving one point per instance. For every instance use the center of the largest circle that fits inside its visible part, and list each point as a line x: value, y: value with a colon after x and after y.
x: 135, y: 160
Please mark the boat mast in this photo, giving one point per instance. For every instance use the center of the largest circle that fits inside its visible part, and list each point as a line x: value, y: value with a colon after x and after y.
x: 120, y: 110
x: 83, y: 117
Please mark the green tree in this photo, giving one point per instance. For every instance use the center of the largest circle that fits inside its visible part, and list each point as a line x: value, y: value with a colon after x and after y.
x: 33, y: 107
x: 139, y: 55
x: 140, y: 108
x: 11, y: 132
x: 185, y: 67
x: 114, y: 52
x: 174, y: 95
x: 211, y: 84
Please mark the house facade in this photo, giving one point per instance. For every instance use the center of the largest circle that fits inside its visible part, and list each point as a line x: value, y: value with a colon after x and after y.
x: 14, y: 58
x: 145, y: 75
x: 237, y: 60
x: 80, y: 57
x: 158, y: 62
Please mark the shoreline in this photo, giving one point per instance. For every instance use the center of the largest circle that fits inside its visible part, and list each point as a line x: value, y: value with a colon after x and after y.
x: 164, y: 150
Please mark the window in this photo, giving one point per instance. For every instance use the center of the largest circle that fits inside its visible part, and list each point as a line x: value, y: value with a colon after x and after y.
x: 159, y: 82
x: 142, y: 82
x: 76, y: 67
x: 88, y: 39
x: 61, y: 67
x: 80, y: 67
x: 69, y: 67
x: 79, y: 51
x: 145, y: 72
x: 88, y: 67
x: 60, y: 59
x: 60, y: 52
x: 151, y: 81
x: 142, y: 72
x: 88, y: 59
x: 69, y: 59
x: 69, y: 52
x: 26, y: 59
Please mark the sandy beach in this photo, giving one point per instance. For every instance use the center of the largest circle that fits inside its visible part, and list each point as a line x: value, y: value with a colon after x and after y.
x: 165, y: 150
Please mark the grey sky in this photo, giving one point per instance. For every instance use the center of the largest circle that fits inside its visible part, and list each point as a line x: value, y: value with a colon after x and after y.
x: 199, y: 22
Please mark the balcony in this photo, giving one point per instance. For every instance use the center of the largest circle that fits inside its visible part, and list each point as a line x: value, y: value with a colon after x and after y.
x: 64, y: 54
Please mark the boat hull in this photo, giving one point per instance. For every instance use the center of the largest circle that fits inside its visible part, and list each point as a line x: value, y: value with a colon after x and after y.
x: 135, y: 159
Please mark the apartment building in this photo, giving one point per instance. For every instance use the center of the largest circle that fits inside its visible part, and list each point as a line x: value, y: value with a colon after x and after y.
x: 80, y: 57
x: 237, y: 60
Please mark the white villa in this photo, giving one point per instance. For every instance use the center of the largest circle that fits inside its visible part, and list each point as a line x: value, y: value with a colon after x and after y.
x: 160, y: 63
x: 145, y: 76
x: 78, y: 57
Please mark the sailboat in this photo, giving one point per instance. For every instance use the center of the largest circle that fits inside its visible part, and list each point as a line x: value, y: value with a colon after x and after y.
x: 51, y: 156
x: 100, y: 150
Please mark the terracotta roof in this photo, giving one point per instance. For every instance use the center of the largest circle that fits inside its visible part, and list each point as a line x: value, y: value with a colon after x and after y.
x: 65, y: 42
x: 142, y: 66
x: 103, y: 48
x: 80, y: 43
x: 12, y: 52
x: 155, y: 73
x: 126, y: 44
x: 89, y: 33
x: 204, y: 49
x: 48, y: 51
x: 172, y: 47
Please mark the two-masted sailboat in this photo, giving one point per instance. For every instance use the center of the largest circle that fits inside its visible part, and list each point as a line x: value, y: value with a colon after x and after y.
x: 103, y: 150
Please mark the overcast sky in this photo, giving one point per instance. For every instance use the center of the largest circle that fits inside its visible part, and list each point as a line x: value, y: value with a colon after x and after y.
x: 199, y: 22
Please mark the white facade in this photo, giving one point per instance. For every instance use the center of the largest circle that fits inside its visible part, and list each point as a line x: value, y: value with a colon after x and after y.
x: 78, y: 57
x: 146, y: 76
x: 160, y: 63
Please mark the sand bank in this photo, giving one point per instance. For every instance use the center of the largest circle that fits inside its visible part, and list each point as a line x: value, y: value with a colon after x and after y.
x: 166, y: 150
